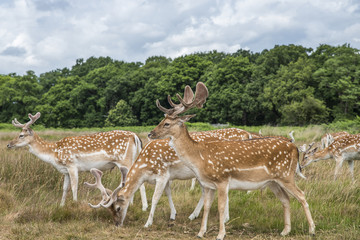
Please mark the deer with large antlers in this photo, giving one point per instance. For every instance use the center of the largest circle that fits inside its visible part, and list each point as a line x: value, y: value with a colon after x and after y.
x: 81, y: 153
x: 224, y: 165
x: 346, y: 148
x: 158, y: 164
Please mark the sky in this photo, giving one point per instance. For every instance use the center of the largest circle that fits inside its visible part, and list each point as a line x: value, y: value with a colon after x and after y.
x: 45, y: 35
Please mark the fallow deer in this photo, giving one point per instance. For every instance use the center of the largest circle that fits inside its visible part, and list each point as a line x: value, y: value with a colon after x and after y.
x: 346, y: 148
x: 158, y: 164
x: 71, y: 155
x: 223, y: 165
x: 328, y: 138
x: 226, y: 134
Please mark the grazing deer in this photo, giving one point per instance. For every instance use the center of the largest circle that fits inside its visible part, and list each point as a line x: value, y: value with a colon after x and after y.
x: 342, y: 149
x: 328, y: 138
x: 224, y: 165
x: 81, y: 153
x: 158, y: 164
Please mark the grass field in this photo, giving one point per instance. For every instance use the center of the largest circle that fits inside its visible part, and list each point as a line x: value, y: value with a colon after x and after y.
x: 30, y: 192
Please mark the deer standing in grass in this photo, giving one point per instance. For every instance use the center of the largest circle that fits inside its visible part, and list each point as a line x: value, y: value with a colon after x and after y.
x: 224, y: 165
x: 328, y: 138
x: 342, y: 149
x: 157, y: 164
x: 81, y: 153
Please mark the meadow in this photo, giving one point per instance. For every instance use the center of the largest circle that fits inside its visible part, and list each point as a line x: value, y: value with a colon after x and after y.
x: 30, y: 192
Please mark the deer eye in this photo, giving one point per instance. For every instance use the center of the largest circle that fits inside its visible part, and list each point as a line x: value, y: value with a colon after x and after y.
x: 166, y: 124
x: 21, y: 136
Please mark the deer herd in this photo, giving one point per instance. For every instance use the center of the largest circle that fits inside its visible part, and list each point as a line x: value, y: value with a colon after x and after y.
x: 221, y: 160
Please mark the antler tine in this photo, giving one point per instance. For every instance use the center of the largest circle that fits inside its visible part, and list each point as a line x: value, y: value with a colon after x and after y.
x: 16, y: 123
x: 201, y: 94
x: 188, y: 97
x: 114, y: 194
x: 105, y: 197
x: 165, y: 110
x: 189, y: 101
x: 310, y: 146
x: 113, y: 197
x: 33, y: 118
x: 176, y: 107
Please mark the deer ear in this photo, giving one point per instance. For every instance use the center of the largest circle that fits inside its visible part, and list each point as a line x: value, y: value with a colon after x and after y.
x: 30, y: 131
x: 186, y: 118
x: 124, y: 171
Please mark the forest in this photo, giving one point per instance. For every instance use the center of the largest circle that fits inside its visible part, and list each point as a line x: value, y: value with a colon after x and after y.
x: 285, y: 85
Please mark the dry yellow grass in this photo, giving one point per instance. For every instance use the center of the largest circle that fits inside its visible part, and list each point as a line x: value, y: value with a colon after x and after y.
x: 30, y: 193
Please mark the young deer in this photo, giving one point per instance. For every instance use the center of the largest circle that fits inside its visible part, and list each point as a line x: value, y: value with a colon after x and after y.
x: 223, y: 165
x: 158, y: 164
x: 342, y: 149
x: 328, y: 138
x: 73, y: 154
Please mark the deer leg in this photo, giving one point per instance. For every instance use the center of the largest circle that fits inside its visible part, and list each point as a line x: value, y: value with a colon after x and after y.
x: 198, y: 207
x: 351, y: 168
x: 208, y: 200
x: 171, y: 203
x: 227, y: 216
x: 339, y: 163
x: 285, y: 200
x: 193, y: 181
x: 300, y: 196
x: 66, y: 186
x: 74, y: 178
x: 159, y: 189
x: 222, y: 203
x: 143, y: 197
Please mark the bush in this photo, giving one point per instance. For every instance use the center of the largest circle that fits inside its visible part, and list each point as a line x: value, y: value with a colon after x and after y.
x: 308, y: 111
x: 121, y: 115
x: 352, y: 126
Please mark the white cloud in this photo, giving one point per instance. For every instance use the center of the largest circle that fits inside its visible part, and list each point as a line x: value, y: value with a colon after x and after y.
x: 43, y: 35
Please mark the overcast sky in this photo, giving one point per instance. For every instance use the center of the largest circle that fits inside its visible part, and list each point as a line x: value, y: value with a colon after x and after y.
x: 44, y: 35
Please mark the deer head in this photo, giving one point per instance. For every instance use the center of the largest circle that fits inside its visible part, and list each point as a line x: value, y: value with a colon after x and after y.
x: 110, y: 199
x: 308, y: 153
x: 169, y: 126
x: 26, y: 135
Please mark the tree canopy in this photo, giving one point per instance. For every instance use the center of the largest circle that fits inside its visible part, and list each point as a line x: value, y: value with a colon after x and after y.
x: 288, y: 84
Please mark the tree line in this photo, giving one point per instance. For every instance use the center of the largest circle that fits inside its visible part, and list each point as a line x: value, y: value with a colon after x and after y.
x: 285, y: 85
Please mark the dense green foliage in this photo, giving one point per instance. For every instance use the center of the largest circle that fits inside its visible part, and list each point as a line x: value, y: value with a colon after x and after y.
x: 288, y: 84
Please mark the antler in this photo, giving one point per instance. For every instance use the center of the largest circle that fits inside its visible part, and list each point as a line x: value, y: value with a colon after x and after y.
x: 304, y: 149
x: 105, y: 197
x: 188, y: 102
x: 291, y: 134
x: 113, y: 197
x: 33, y: 118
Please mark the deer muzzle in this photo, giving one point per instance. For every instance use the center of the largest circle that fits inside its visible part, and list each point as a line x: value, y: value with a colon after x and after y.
x: 152, y: 135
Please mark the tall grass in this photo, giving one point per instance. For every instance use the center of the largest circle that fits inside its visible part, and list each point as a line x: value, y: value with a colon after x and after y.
x: 30, y: 192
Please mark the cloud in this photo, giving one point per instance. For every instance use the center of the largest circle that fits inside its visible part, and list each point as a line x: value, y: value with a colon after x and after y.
x: 43, y: 35
x: 13, y: 51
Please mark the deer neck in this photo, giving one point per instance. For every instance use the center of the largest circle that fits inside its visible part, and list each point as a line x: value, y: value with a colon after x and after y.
x: 182, y: 142
x: 134, y: 180
x: 187, y: 149
x: 323, y: 155
x: 41, y: 148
